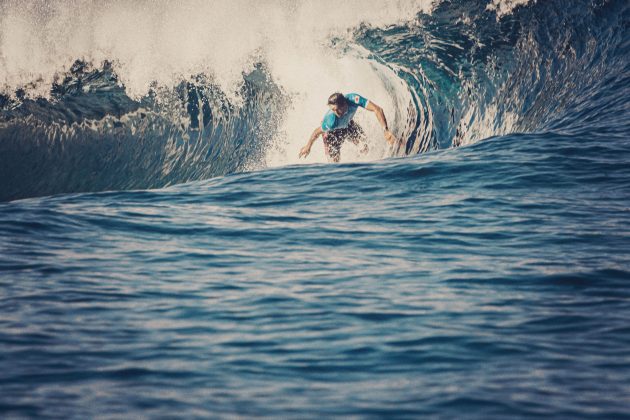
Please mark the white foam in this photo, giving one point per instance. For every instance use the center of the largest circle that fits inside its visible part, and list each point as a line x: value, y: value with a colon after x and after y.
x: 165, y: 40
x: 506, y: 7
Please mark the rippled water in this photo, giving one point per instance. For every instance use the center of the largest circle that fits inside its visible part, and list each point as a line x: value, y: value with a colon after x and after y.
x: 484, y: 281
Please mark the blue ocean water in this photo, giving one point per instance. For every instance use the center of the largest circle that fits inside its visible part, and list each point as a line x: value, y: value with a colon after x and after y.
x: 481, y: 272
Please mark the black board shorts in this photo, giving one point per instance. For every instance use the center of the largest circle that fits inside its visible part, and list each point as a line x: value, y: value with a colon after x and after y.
x: 333, y: 140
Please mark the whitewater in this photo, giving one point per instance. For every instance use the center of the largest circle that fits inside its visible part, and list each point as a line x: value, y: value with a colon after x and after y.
x: 165, y: 253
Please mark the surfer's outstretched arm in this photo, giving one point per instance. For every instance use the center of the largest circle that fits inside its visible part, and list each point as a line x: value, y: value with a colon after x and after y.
x: 307, y: 148
x: 380, y: 116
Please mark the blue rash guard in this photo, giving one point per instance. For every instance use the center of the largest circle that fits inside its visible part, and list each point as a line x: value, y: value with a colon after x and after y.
x: 332, y: 122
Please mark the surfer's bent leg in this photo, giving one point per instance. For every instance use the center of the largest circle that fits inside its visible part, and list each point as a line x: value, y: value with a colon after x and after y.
x: 357, y: 136
x: 332, y: 145
x: 355, y: 133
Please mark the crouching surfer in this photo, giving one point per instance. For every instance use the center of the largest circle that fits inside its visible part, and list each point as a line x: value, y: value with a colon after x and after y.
x: 338, y: 125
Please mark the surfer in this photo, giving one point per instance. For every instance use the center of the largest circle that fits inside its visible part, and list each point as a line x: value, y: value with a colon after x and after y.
x: 338, y: 126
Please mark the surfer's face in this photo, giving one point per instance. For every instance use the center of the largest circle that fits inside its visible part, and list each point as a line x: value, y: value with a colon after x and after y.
x: 339, y: 110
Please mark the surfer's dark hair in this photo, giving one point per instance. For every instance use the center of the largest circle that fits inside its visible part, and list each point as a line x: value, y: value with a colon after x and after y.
x: 337, y: 99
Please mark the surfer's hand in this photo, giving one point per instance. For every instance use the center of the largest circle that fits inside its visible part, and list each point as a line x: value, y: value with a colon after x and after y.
x: 391, y: 139
x: 305, y: 151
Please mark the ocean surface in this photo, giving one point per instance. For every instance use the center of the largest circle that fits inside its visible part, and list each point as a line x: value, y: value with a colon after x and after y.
x: 165, y: 254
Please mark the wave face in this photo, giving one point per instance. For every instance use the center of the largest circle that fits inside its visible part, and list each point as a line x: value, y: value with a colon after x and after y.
x: 155, y: 94
x: 556, y: 66
x: 91, y: 136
